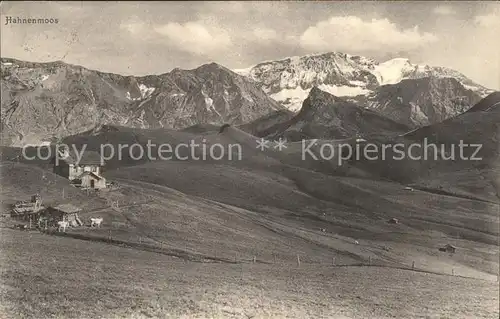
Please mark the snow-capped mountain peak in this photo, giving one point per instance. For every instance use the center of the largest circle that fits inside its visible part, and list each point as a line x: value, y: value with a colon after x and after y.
x: 393, y: 71
x: 289, y: 80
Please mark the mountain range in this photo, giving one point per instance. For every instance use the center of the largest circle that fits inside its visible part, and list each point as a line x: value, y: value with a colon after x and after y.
x: 43, y: 102
x: 409, y: 93
x: 48, y: 101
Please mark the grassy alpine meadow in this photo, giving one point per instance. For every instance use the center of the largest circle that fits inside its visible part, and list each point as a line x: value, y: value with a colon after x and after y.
x: 45, y: 276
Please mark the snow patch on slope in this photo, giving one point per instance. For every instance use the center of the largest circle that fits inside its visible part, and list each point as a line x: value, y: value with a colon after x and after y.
x: 344, y: 90
x: 243, y: 72
x: 393, y: 71
x: 293, y: 98
x: 417, y: 115
x: 358, y: 83
x: 209, y: 103
x: 177, y: 94
x: 145, y: 93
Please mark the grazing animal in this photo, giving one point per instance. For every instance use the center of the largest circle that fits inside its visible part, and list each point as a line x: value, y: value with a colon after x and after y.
x: 356, y: 242
x: 96, y: 222
x: 61, y: 225
x: 393, y: 221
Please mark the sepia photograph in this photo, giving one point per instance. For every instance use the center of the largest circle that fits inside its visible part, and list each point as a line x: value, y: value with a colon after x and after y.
x: 250, y: 159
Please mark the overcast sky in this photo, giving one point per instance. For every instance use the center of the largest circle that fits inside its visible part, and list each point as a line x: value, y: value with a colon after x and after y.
x: 155, y: 37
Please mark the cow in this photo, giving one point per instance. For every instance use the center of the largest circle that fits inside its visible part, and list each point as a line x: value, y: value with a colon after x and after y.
x: 61, y: 225
x: 356, y: 242
x: 96, y: 222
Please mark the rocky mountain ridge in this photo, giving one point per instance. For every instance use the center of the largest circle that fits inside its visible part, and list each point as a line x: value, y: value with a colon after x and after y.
x: 47, y: 101
x: 367, y: 82
x: 328, y: 117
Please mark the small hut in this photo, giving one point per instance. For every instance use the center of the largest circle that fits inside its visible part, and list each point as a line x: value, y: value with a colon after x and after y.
x: 448, y: 248
x: 91, y: 180
x: 63, y: 212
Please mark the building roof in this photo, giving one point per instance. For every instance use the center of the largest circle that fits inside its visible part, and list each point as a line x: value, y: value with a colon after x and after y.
x: 66, y: 208
x: 94, y: 175
x: 27, y: 209
x: 87, y: 158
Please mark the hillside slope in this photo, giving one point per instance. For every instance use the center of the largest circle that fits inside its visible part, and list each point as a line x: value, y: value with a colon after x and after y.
x: 325, y: 116
x: 459, y: 155
x: 489, y: 103
x: 422, y: 101
x: 268, y: 206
